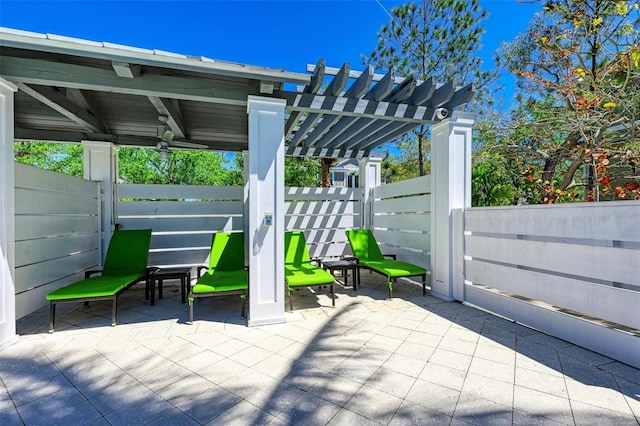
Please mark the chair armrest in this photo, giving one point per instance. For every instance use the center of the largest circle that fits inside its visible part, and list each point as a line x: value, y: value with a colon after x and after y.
x: 149, y: 271
x: 317, y: 261
x: 201, y: 269
x: 393, y: 256
x: 87, y: 274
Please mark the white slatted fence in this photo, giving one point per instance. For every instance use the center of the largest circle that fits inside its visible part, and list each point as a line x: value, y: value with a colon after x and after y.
x: 572, y: 271
x: 57, y: 233
x: 402, y: 219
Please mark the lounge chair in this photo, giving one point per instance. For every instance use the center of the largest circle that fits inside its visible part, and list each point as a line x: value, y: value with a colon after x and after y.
x: 368, y: 254
x: 226, y: 274
x: 298, y: 269
x: 124, y: 266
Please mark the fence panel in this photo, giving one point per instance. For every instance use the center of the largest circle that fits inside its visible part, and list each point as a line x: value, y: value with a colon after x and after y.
x: 575, y: 262
x: 402, y: 219
x: 323, y: 214
x: 57, y: 233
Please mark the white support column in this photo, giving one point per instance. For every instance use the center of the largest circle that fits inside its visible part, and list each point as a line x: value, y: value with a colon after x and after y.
x: 266, y: 210
x: 451, y: 184
x: 7, y: 216
x: 369, y: 178
x: 101, y: 165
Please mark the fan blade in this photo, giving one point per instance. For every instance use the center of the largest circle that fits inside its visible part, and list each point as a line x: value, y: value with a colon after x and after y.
x: 188, y: 145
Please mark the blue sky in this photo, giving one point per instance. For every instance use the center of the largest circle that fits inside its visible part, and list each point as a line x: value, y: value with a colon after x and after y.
x: 276, y: 34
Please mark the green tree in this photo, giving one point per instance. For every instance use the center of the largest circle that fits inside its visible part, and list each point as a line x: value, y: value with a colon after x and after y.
x: 433, y: 38
x: 58, y: 157
x: 578, y: 76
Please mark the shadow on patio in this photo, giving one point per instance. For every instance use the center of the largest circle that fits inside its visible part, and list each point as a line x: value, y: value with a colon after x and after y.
x: 412, y: 360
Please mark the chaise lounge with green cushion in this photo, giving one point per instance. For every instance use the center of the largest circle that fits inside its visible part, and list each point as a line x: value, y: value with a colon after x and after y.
x: 226, y: 273
x: 366, y: 250
x: 124, y: 265
x: 298, y: 269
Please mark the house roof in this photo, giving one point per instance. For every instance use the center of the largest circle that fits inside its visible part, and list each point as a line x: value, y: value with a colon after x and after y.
x: 72, y: 90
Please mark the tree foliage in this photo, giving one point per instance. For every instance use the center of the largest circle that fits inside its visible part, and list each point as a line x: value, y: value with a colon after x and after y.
x: 578, y: 119
x: 433, y: 38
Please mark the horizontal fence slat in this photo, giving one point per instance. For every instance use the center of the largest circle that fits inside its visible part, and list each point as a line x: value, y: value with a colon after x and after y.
x: 326, y: 194
x: 181, y: 257
x: 37, y: 202
x: 178, y: 225
x: 320, y: 222
x: 419, y: 185
x: 601, y: 263
x: 34, y: 178
x: 37, y: 274
x: 606, y: 221
x: 40, y: 250
x: 322, y: 207
x: 410, y: 240
x: 325, y: 251
x: 179, y: 192
x: 179, y: 208
x: 29, y: 227
x: 608, y: 303
x: 405, y: 222
x: 181, y: 240
x: 418, y: 203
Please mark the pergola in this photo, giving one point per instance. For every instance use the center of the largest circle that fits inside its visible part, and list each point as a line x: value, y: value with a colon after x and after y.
x: 104, y: 95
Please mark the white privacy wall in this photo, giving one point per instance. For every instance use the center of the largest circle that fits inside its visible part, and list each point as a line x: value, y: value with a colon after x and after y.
x: 56, y: 234
x: 323, y: 214
x: 183, y: 218
x: 402, y: 219
x: 570, y: 270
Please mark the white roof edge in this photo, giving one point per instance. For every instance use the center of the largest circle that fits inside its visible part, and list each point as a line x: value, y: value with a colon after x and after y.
x: 110, y: 51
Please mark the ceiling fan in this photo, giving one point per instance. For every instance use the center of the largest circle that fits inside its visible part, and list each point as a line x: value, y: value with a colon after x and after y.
x: 167, y: 139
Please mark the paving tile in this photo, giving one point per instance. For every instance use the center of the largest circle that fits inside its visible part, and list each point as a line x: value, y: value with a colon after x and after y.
x: 222, y: 370
x: 412, y: 414
x: 185, y: 389
x: 335, y: 389
x: 275, y: 397
x: 415, y: 350
x: 546, y: 383
x: 8, y: 413
x: 584, y: 414
x: 242, y: 414
x: 391, y: 382
x: 251, y: 356
x: 481, y: 387
x: 62, y: 407
x: 609, y: 398
x: 405, y: 365
x: 374, y: 404
x: 443, y: 376
x: 208, y: 405
x: 274, y: 343
x: 433, y: 396
x: 631, y: 392
x: 165, y: 377
x: 386, y: 343
x: 201, y: 360
x: 544, y: 405
x: 309, y: 409
x: 454, y: 360
x: 346, y: 417
x: 28, y: 390
x: 355, y: 370
x: 230, y: 347
x: 480, y: 411
x: 492, y: 369
x: 303, y: 376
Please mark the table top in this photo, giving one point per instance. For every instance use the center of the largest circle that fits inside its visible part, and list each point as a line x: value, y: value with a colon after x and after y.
x: 339, y: 263
x: 172, y: 271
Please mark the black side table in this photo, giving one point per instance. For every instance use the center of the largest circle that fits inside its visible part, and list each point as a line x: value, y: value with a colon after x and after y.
x: 344, y: 266
x: 182, y: 274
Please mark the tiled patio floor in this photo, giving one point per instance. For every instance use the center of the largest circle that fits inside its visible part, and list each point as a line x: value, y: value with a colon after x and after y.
x: 413, y: 360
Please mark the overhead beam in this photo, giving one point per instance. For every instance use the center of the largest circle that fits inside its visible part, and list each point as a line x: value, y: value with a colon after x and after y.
x: 461, y: 97
x: 355, y: 107
x: 174, y: 117
x: 46, y: 73
x: 324, y: 153
x: 65, y: 106
x: 312, y: 88
x: 126, y: 70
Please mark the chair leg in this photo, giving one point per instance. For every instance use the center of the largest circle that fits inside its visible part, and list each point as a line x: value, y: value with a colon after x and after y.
x: 190, y: 310
x: 114, y: 310
x: 290, y: 300
x: 389, y: 281
x: 333, y: 294
x: 243, y: 313
x: 424, y: 284
x: 52, y: 315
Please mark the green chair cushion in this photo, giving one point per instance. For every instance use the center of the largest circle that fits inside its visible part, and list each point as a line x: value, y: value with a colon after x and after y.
x: 94, y: 287
x: 305, y: 275
x: 127, y: 253
x: 394, y: 268
x: 222, y: 281
x: 364, y: 245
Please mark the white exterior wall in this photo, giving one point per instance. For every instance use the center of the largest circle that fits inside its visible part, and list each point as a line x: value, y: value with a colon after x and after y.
x: 7, y: 216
